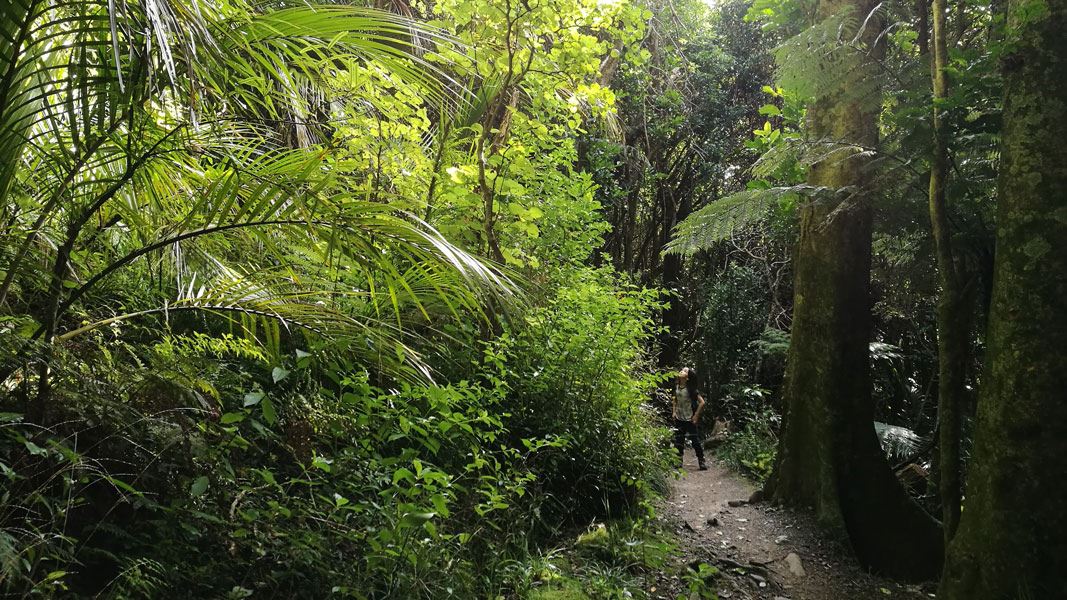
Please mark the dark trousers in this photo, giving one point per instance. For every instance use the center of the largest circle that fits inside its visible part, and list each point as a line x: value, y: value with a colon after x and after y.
x: 688, y: 429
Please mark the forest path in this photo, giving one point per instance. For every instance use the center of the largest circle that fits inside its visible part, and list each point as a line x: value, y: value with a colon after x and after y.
x: 751, y: 544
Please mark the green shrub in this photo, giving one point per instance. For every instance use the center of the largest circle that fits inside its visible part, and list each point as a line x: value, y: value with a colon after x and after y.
x: 197, y: 466
x: 577, y: 369
x: 752, y: 449
x: 608, y: 561
x: 288, y: 486
x: 733, y: 316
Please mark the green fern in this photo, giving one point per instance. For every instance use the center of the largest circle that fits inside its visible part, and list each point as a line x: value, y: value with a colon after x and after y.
x: 720, y: 219
x: 821, y: 59
x: 197, y: 344
x: 139, y: 578
x: 803, y: 153
x: 813, y: 65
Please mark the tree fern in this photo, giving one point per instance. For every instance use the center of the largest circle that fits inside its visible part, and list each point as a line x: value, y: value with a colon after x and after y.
x: 812, y: 64
x: 718, y: 220
x: 817, y: 61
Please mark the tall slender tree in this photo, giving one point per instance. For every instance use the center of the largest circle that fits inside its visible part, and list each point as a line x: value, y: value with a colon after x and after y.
x: 1012, y: 538
x: 953, y: 323
x: 829, y: 456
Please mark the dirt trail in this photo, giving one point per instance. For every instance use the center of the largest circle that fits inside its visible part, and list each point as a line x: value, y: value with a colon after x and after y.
x: 751, y: 543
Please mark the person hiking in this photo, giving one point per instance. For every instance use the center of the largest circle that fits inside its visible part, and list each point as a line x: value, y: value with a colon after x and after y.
x: 688, y: 404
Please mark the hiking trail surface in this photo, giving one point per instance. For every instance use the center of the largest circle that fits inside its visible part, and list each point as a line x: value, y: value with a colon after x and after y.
x: 764, y: 551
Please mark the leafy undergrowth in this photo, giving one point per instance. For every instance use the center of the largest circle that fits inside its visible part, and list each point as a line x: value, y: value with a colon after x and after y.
x: 623, y: 559
x: 195, y: 466
x: 751, y: 450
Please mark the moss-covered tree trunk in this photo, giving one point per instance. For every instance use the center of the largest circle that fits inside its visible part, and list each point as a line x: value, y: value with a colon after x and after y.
x: 829, y: 456
x: 1012, y: 538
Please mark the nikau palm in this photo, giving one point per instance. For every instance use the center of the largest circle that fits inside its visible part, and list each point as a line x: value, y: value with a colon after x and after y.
x: 192, y: 143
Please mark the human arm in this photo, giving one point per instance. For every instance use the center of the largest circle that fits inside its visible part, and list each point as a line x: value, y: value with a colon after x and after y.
x: 700, y: 409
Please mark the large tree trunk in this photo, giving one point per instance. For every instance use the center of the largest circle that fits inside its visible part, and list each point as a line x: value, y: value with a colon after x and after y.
x: 1012, y: 539
x: 953, y: 314
x: 829, y: 456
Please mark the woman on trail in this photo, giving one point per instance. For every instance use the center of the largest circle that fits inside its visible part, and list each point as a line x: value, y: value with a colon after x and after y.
x: 688, y: 404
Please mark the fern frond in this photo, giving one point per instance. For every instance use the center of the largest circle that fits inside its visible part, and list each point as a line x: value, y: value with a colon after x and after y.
x: 720, y: 219
x: 818, y: 61
x: 795, y: 151
x: 897, y: 442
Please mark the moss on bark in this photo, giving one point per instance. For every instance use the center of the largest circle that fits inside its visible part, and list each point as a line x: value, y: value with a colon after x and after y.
x: 829, y: 456
x: 1012, y: 539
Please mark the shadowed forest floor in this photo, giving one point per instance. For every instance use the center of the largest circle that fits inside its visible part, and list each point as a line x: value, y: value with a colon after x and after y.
x: 751, y: 545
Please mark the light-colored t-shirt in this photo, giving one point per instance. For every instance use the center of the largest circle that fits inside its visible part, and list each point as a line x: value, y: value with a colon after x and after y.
x: 683, y: 405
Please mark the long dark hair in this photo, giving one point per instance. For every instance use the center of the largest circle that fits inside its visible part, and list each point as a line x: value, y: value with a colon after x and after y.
x: 691, y: 384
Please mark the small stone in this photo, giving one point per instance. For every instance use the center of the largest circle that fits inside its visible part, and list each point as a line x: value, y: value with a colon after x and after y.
x: 714, y: 522
x: 781, y: 539
x: 794, y: 564
x: 736, y: 503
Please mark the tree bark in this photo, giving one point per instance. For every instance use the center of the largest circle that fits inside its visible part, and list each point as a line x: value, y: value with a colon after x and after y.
x: 1012, y: 538
x: 953, y: 322
x: 675, y: 316
x: 923, y: 26
x: 829, y: 456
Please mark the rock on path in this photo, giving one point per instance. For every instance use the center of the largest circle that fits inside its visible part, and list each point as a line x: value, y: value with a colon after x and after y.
x: 766, y: 552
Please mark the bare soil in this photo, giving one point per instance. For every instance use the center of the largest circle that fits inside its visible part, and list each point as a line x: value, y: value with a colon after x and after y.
x: 750, y: 543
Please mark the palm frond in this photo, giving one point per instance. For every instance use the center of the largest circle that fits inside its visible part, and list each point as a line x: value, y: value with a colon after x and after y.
x: 897, y: 442
x: 156, y: 130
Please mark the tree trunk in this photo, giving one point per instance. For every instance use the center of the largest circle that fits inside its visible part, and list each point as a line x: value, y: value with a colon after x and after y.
x: 1012, y: 538
x: 675, y: 315
x: 953, y: 322
x: 922, y: 25
x: 829, y: 456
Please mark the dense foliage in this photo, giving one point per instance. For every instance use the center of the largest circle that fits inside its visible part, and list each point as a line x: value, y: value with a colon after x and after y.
x: 249, y: 346
x: 375, y: 299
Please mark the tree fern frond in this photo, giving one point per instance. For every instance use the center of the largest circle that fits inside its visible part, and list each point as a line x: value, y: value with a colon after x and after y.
x: 803, y: 153
x: 720, y: 219
x: 819, y: 60
x: 897, y: 442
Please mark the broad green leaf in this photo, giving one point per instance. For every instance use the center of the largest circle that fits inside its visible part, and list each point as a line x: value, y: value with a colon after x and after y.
x: 268, y: 411
x: 199, y: 486
x: 34, y: 449
x: 413, y: 519
x: 231, y: 417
